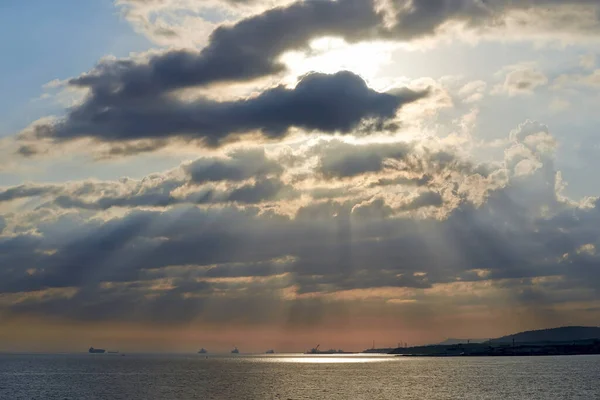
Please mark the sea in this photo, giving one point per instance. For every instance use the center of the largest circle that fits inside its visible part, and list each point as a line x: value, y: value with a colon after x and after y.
x: 149, y: 377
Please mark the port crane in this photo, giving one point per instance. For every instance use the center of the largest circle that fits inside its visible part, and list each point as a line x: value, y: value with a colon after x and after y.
x: 314, y: 350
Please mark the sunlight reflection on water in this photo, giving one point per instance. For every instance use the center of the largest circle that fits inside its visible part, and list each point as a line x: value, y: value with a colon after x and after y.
x: 326, y: 358
x: 297, y: 377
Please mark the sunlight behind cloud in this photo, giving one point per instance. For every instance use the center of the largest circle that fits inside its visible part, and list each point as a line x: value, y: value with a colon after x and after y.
x: 330, y: 55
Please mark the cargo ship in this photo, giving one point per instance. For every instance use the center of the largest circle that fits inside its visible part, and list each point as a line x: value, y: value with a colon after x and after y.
x: 96, y: 351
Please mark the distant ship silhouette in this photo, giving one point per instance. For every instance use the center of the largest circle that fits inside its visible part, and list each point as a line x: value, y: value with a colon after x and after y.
x: 203, y: 351
x: 96, y: 351
x: 235, y: 350
x: 270, y: 351
x: 316, y: 350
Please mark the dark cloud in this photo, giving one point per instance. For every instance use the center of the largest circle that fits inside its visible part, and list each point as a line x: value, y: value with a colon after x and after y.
x: 520, y: 235
x: 418, y: 164
x: 23, y: 191
x: 418, y: 18
x: 328, y: 103
x: 403, y: 180
x: 343, y: 160
x: 161, y: 196
x: 131, y: 99
x: 128, y: 149
x: 372, y: 210
x: 425, y: 199
x: 27, y: 150
x: 332, y: 193
x: 250, y: 48
x: 239, y: 166
x: 269, y: 189
x: 141, y: 200
x: 249, y: 176
x: 421, y: 17
x: 246, y: 50
x: 327, y: 247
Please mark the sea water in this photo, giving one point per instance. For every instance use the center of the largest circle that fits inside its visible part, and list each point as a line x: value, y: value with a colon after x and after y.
x: 137, y: 377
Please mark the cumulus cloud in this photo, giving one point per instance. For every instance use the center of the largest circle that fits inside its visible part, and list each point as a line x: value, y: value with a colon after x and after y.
x: 133, y: 100
x: 328, y: 103
x: 250, y: 176
x: 521, y: 79
x: 586, y: 80
x: 342, y: 160
x: 397, y: 19
x: 472, y: 92
x: 187, y: 23
x: 239, y: 166
x: 244, y: 230
x: 250, y: 48
x: 167, y: 22
x: 327, y: 255
x: 398, y: 172
x: 164, y: 195
x: 245, y: 50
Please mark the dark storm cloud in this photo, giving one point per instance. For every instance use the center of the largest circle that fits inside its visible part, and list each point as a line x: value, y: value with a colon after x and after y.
x: 329, y: 103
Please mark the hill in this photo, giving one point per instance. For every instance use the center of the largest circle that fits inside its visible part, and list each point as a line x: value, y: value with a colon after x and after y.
x: 452, y: 341
x: 562, y: 334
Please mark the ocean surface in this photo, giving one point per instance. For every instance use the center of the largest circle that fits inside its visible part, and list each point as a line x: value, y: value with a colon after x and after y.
x: 137, y: 377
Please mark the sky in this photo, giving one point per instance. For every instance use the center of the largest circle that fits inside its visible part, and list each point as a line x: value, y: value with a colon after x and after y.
x: 179, y: 174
